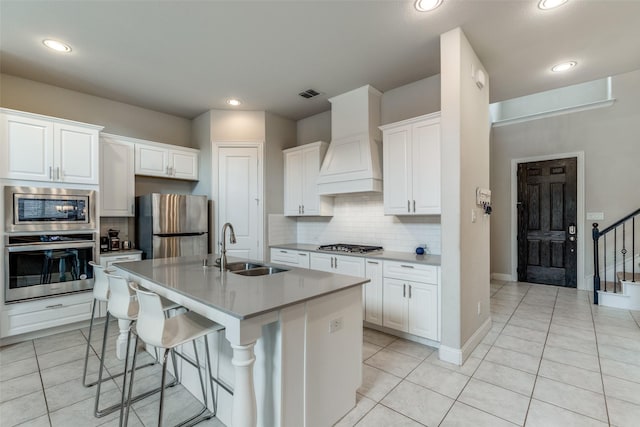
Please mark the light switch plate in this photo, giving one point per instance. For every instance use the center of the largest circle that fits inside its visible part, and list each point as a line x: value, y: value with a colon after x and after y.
x: 595, y: 216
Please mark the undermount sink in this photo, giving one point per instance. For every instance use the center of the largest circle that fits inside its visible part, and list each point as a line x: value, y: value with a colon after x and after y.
x: 259, y: 271
x: 238, y: 266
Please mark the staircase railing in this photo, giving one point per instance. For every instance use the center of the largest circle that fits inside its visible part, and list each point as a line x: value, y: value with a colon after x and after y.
x: 618, y: 226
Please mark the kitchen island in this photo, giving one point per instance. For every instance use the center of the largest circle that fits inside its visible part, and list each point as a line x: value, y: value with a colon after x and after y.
x: 304, y: 326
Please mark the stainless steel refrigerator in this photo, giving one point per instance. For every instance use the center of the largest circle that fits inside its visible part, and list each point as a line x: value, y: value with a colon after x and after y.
x: 171, y: 225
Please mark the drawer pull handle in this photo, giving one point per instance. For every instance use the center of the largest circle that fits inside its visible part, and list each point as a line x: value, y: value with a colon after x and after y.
x: 406, y: 266
x: 302, y: 254
x: 55, y: 306
x: 284, y: 252
x: 372, y: 262
x: 404, y: 290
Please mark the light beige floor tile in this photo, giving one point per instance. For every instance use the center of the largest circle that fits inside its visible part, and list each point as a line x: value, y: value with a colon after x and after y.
x: 18, y: 369
x: 468, y: 367
x: 614, y: 368
x: 495, y: 400
x: 572, y: 398
x: 490, y: 338
x: 567, y: 374
x: 462, y: 415
x: 525, y: 333
x: 411, y: 348
x: 573, y: 358
x: 381, y: 416
x: 69, y: 371
x: 520, y: 345
x: 622, y: 342
x: 619, y: 354
x: 82, y: 415
x: 621, y: 389
x: 572, y: 343
x: 542, y: 326
x: 59, y: 342
x: 505, y: 377
x: 42, y: 421
x: 542, y: 414
x: 369, y: 350
x: 176, y: 409
x: 623, y: 414
x: 537, y: 304
x: 418, y: 403
x: 15, y: 352
x: 393, y: 362
x: 70, y: 392
x: 572, y: 323
x: 437, y: 378
x: 377, y: 338
x: 376, y: 383
x: 21, y: 409
x: 625, y: 332
x: 513, y: 359
x: 570, y: 331
x: 20, y: 386
x: 480, y: 351
x: 363, y: 406
x: 60, y: 357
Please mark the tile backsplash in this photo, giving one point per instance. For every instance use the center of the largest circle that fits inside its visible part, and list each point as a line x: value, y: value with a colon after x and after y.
x: 125, y: 225
x: 361, y: 219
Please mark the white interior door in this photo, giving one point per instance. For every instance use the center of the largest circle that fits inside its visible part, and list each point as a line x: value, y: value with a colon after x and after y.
x: 239, y: 201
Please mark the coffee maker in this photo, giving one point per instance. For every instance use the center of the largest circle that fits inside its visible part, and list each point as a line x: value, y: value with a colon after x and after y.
x: 114, y: 240
x: 104, y: 244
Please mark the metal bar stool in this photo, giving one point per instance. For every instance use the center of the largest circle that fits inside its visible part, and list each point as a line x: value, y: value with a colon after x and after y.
x: 122, y: 304
x: 154, y: 329
x: 100, y: 294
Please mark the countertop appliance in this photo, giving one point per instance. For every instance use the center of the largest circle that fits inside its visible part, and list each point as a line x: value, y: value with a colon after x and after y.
x: 114, y: 240
x: 344, y: 247
x: 172, y: 225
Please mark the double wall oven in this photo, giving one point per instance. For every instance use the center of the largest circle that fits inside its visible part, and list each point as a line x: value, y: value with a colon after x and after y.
x: 50, y: 239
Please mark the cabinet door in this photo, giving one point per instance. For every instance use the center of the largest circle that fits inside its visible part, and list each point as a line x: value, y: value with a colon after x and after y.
x: 75, y: 154
x: 26, y: 149
x: 373, y: 292
x: 321, y: 262
x: 310, y: 170
x: 117, y: 179
x: 349, y: 265
x: 423, y: 310
x: 394, y: 304
x: 293, y: 183
x: 397, y: 170
x: 426, y: 168
x: 152, y: 161
x: 183, y: 165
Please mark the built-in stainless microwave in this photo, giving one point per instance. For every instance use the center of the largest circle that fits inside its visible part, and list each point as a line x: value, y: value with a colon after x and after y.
x: 29, y: 209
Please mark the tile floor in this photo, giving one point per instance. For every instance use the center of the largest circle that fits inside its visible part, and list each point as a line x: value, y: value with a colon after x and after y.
x: 551, y: 358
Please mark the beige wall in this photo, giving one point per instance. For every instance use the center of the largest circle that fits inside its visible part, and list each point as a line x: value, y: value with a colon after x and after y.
x: 465, y: 154
x: 237, y: 125
x: 314, y: 128
x: 609, y: 139
x: 117, y: 118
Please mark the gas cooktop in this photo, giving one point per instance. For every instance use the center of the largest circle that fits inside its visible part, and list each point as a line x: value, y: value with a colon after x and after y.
x: 343, y: 247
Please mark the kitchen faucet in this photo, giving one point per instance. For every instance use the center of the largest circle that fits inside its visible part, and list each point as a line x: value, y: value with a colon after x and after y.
x: 232, y: 240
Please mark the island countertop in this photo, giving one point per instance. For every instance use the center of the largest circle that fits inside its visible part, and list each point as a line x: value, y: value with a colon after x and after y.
x: 242, y: 297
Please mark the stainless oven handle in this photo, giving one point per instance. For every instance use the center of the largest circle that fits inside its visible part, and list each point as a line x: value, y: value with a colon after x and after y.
x: 49, y: 247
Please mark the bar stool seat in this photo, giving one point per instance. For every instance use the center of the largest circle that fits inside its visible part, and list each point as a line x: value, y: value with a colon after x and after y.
x: 156, y: 330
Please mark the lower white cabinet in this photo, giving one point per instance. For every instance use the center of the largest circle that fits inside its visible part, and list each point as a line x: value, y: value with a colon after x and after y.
x: 341, y: 264
x: 290, y: 257
x: 372, y: 292
x: 410, y: 299
x: 45, y: 313
x: 109, y: 258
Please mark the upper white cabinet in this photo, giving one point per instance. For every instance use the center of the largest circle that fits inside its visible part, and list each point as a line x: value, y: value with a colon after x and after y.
x: 411, y: 163
x: 117, y: 179
x: 42, y: 148
x: 166, y: 161
x: 302, y: 165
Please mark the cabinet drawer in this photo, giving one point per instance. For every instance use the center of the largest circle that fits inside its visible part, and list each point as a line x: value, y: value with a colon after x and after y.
x: 108, y: 261
x: 409, y: 271
x: 289, y: 257
x: 48, y: 314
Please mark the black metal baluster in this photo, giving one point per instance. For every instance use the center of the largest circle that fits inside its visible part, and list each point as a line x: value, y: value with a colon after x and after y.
x: 605, y: 263
x: 595, y: 234
x: 615, y: 257
x: 633, y: 249
x: 624, y: 251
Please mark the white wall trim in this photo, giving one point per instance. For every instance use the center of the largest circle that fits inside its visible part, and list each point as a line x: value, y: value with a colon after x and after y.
x: 580, y: 214
x: 501, y: 276
x: 458, y: 356
x: 558, y: 112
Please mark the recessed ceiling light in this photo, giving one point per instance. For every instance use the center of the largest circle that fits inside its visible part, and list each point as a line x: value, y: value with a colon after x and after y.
x: 550, y: 4
x: 427, y: 5
x: 56, y: 45
x: 564, y: 66
x: 233, y: 102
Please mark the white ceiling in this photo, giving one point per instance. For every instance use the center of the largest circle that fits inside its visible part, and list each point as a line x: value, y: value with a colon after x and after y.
x: 186, y: 57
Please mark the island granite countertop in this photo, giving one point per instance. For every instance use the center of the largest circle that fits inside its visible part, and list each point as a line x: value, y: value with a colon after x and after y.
x: 384, y: 255
x: 242, y: 297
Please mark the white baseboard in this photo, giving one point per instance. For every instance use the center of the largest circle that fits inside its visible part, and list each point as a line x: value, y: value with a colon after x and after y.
x: 501, y: 276
x: 457, y: 356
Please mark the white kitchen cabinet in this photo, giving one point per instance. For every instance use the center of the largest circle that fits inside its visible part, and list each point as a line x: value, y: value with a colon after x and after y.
x: 117, y: 177
x: 411, y: 163
x: 373, y: 292
x: 166, y: 161
x: 341, y: 264
x: 302, y: 165
x: 299, y: 259
x: 42, y: 148
x: 410, y: 298
x: 107, y: 259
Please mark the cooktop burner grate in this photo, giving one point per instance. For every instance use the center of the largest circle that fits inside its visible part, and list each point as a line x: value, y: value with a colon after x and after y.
x: 343, y: 247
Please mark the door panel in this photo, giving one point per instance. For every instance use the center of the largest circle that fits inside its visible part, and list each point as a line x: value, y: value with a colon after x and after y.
x: 175, y: 246
x: 547, y: 194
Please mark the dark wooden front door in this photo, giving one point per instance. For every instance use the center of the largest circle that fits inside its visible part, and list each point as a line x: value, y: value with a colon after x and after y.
x: 547, y: 233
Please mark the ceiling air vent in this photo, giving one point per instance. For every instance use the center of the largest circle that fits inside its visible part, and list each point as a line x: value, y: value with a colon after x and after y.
x: 309, y: 93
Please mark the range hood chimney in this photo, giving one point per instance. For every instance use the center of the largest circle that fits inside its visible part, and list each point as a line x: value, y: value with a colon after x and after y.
x: 353, y: 163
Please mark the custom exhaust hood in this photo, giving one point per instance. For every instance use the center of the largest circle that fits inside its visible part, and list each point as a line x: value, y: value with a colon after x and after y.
x: 353, y: 163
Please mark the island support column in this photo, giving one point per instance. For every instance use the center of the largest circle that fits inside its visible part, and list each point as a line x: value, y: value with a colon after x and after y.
x: 244, y: 396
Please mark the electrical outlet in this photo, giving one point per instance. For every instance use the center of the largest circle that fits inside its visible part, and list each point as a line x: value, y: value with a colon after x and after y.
x: 335, y: 325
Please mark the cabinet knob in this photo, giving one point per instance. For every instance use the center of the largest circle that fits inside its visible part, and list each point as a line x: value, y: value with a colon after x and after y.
x: 414, y: 206
x: 404, y: 290
x: 408, y: 206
